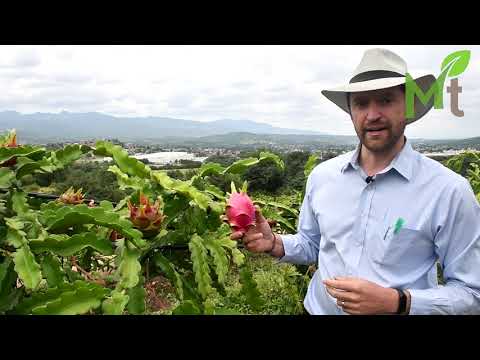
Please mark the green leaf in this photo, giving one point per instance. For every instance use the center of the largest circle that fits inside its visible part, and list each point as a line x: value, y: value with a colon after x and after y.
x: 136, y: 295
x: 169, y: 270
x: 126, y: 182
x: 15, y: 237
x: 27, y: 268
x: 31, y: 152
x: 129, y: 267
x: 187, y: 308
x: 52, y: 270
x: 6, y: 271
x: 19, y: 202
x: 107, y: 205
x: 272, y: 214
x: 10, y: 299
x: 215, y: 191
x: 70, y: 298
x: 63, y: 157
x: 76, y: 302
x: 65, y: 245
x: 26, y: 166
x: 127, y: 164
x: 210, y: 169
x: 241, y: 166
x: 249, y: 288
x: 182, y: 187
x: 58, y: 219
x: 198, y: 254
x: 458, y: 62
x: 9, y: 294
x: 237, y: 255
x: 115, y: 304
x: 219, y: 259
x: 277, y: 205
x: 310, y: 164
x: 4, y: 267
x: 6, y: 177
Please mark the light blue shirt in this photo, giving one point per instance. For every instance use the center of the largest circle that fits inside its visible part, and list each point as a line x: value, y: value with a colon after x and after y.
x: 346, y: 227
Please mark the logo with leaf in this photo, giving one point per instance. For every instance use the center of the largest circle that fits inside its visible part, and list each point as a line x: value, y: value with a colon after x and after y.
x: 452, y: 66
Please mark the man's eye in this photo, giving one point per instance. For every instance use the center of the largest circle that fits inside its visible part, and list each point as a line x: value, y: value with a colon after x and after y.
x: 386, y: 100
x: 360, y: 103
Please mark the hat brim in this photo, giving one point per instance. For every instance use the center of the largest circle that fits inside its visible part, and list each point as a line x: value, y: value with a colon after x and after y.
x: 339, y: 97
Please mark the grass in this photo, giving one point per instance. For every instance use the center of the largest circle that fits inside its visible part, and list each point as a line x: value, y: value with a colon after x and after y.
x: 281, y: 286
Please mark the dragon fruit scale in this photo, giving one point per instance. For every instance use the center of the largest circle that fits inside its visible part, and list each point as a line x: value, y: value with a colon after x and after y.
x: 146, y: 217
x: 240, y: 211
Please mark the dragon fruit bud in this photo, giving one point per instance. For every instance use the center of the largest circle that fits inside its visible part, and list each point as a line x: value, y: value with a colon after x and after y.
x: 10, y: 141
x: 240, y: 211
x: 71, y: 197
x: 146, y: 217
x: 114, y: 236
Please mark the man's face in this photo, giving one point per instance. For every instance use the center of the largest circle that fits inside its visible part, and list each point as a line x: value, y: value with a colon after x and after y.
x: 379, y: 117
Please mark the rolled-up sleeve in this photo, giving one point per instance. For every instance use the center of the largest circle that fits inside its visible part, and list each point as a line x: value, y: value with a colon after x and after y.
x: 457, y: 244
x: 302, y: 247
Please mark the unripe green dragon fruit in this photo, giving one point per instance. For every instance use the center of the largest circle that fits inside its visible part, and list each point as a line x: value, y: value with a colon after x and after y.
x: 145, y: 217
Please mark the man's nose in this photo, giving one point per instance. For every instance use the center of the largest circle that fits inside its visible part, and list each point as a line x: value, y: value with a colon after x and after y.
x: 373, y: 112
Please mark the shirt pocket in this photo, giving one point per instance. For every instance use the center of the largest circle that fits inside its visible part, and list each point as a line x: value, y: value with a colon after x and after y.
x: 406, y: 248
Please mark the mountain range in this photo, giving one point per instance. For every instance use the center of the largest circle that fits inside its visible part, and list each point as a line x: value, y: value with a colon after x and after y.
x: 64, y: 126
x: 42, y: 128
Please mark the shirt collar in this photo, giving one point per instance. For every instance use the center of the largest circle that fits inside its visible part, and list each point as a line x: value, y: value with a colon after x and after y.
x: 402, y: 162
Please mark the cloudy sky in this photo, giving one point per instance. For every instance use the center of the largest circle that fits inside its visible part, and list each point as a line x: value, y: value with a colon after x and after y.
x: 279, y: 85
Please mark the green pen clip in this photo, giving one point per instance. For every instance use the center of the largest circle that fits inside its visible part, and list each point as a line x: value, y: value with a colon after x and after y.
x: 398, y: 225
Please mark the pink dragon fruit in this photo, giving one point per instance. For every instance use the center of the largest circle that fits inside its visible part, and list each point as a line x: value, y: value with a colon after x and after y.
x: 145, y: 217
x: 71, y: 197
x: 240, y: 211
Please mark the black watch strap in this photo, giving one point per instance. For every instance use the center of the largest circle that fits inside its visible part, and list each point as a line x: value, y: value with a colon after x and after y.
x: 402, y: 302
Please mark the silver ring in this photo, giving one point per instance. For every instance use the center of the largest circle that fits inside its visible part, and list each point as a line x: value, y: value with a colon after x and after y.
x: 343, y: 303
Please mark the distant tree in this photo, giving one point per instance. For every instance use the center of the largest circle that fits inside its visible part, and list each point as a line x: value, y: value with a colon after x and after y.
x: 92, y: 177
x: 265, y: 176
x: 223, y: 182
x: 224, y: 160
x: 294, y: 166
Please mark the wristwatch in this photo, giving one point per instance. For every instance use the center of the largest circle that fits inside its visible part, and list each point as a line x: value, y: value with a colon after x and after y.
x: 402, y: 302
x: 273, y: 245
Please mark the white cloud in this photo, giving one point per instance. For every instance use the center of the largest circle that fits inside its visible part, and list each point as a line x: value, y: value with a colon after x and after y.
x: 279, y: 85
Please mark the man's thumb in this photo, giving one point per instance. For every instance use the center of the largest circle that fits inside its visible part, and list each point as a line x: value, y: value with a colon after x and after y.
x: 259, y: 218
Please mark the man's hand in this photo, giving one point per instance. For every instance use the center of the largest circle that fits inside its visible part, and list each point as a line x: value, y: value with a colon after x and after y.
x: 259, y: 237
x: 362, y: 297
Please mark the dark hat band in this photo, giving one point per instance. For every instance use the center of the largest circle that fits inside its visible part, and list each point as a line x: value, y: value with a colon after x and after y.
x: 373, y: 75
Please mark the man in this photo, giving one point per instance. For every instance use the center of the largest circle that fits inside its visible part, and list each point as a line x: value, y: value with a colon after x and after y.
x: 376, y: 220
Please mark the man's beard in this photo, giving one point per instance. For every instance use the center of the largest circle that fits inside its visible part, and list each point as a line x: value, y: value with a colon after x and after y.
x: 383, y: 145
